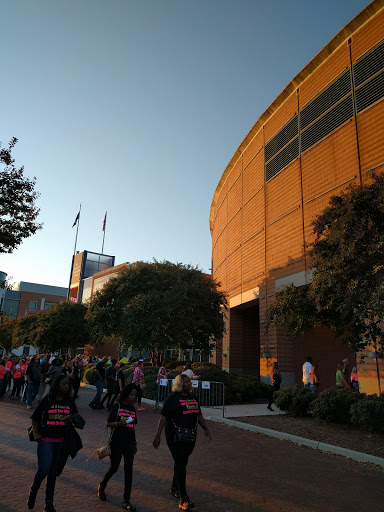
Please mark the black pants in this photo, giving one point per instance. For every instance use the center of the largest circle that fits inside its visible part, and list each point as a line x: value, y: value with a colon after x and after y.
x: 117, y: 452
x: 139, y: 394
x: 108, y: 396
x: 274, y: 388
x: 180, y: 453
x: 17, y: 383
x: 75, y: 387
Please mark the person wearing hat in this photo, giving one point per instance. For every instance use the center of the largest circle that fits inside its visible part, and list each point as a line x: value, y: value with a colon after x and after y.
x: 138, y: 379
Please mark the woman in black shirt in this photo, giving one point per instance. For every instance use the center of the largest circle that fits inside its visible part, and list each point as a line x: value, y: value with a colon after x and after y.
x: 180, y: 409
x: 122, y: 418
x: 49, y: 422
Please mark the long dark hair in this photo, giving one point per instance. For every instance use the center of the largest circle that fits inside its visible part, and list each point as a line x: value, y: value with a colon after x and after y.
x: 52, y: 396
x: 188, y: 366
x: 126, y: 391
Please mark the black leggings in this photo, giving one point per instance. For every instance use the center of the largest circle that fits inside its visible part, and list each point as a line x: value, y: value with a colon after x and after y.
x: 117, y: 452
x: 180, y: 453
x: 108, y: 396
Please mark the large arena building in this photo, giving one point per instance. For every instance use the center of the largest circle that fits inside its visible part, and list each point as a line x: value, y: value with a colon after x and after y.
x: 323, y: 132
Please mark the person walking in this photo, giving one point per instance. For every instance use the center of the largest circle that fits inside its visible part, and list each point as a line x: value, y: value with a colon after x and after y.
x: 341, y: 383
x: 49, y: 422
x: 118, y: 384
x: 76, y: 379
x: 276, y: 381
x: 18, y: 378
x: 138, y: 380
x: 315, y: 379
x: 122, y: 419
x: 307, y: 368
x: 181, y: 409
x: 110, y: 376
x: 34, y: 377
x: 2, y: 379
x: 354, y: 379
x: 99, y: 383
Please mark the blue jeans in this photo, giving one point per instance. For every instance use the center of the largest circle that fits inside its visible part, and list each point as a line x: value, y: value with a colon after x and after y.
x: 313, y: 388
x: 99, y: 387
x: 48, y: 455
x: 307, y: 385
x: 32, y: 393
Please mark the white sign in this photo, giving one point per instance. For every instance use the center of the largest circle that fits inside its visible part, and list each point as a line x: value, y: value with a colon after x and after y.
x: 163, y: 382
x: 206, y: 385
x: 195, y: 383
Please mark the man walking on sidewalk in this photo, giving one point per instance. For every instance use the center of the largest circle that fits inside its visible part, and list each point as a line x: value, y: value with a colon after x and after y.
x: 99, y: 383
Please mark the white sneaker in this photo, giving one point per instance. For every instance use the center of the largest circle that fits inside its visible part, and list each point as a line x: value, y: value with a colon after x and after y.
x: 29, y: 406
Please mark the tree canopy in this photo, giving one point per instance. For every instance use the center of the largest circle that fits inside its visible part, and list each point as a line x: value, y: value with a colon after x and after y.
x: 347, y: 289
x: 18, y: 211
x: 7, y: 328
x: 62, y: 326
x: 155, y: 306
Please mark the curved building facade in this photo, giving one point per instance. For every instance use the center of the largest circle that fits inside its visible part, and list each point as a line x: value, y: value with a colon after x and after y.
x: 324, y: 131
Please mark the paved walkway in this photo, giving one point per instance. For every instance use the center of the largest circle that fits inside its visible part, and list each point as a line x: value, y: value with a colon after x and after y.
x: 239, y: 471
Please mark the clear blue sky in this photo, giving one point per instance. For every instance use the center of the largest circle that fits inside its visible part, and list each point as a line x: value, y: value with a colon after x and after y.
x: 135, y: 108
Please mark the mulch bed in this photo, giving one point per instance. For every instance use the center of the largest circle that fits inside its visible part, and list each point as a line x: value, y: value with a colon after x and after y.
x: 311, y: 428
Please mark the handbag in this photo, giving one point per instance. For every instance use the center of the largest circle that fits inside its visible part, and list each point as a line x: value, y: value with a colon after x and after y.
x: 185, y: 434
x: 105, y: 450
x: 142, y: 384
x: 78, y: 421
x: 30, y: 433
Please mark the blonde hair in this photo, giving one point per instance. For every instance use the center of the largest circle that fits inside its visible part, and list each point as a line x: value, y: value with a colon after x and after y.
x: 177, y: 386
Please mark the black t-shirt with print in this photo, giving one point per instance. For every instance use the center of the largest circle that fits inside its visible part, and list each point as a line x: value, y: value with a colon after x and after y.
x: 50, y: 415
x: 181, y: 409
x: 111, y: 375
x: 122, y: 412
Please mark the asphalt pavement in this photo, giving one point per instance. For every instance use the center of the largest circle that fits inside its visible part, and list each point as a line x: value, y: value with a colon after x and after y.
x: 238, y: 471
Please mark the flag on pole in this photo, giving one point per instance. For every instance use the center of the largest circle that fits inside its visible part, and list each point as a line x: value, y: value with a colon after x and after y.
x: 77, y: 218
x: 105, y: 221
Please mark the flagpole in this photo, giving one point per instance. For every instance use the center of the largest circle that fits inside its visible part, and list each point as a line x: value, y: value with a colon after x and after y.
x: 77, y: 231
x: 104, y: 225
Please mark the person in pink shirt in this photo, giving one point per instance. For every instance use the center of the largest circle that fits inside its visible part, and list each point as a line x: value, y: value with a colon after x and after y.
x: 18, y: 378
x: 2, y: 378
x: 138, y: 379
x: 8, y: 371
x: 162, y: 373
x: 354, y: 380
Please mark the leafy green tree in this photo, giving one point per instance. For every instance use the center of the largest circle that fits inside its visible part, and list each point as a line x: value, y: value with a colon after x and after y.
x: 158, y: 306
x: 7, y: 327
x: 63, y: 326
x: 347, y: 289
x: 25, y: 332
x: 18, y: 211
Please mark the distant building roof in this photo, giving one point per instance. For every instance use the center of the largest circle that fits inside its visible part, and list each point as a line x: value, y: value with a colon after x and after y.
x: 23, y: 286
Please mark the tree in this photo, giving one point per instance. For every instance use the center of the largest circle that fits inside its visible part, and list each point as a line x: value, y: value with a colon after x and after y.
x: 158, y: 306
x: 7, y: 327
x: 18, y: 212
x: 347, y: 289
x: 63, y: 326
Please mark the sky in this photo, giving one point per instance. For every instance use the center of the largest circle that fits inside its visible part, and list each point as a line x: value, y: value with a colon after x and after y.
x: 135, y: 108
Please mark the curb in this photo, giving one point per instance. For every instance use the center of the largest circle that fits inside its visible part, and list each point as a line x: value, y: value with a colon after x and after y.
x: 317, y: 445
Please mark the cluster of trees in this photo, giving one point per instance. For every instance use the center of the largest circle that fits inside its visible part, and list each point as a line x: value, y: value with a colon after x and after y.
x: 347, y: 289
x: 151, y: 307
x: 62, y: 326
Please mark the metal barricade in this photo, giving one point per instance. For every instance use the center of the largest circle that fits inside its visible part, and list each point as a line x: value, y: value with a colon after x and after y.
x: 209, y: 394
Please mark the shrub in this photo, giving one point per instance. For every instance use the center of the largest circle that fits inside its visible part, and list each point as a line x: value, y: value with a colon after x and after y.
x: 368, y: 414
x: 89, y: 374
x: 295, y: 400
x: 333, y: 405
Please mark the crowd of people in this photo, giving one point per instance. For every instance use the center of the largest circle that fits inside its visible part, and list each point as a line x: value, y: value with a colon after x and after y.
x: 54, y: 383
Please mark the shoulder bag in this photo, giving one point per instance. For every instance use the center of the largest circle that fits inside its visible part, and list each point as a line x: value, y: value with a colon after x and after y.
x: 185, y: 434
